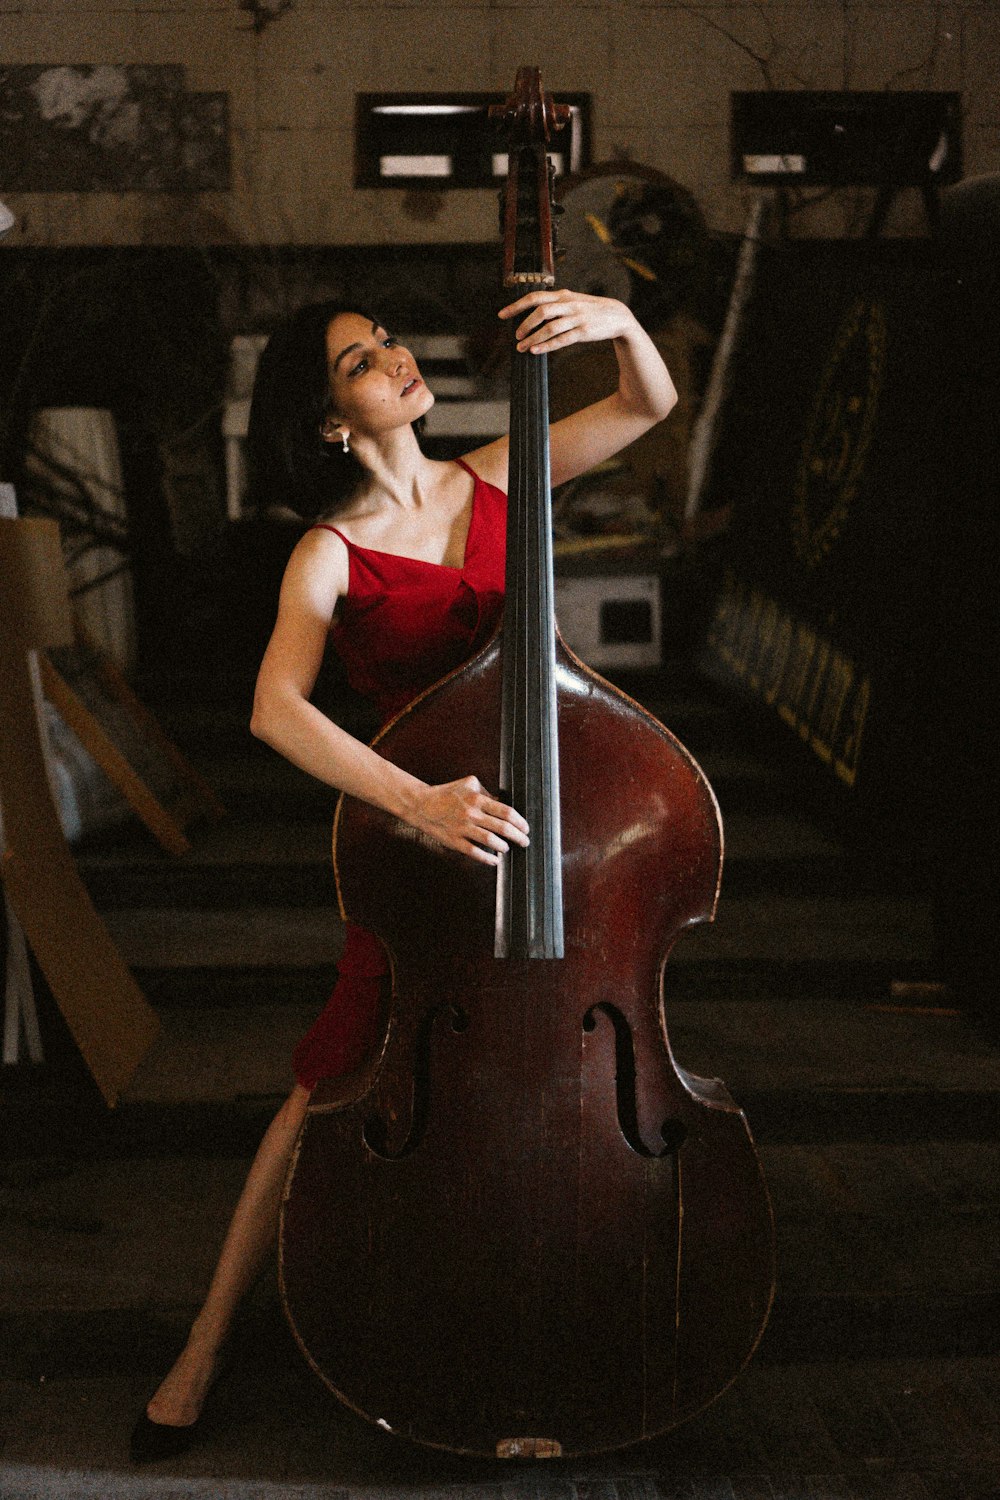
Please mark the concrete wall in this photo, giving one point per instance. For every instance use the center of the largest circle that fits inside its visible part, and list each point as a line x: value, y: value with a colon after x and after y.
x: 660, y: 74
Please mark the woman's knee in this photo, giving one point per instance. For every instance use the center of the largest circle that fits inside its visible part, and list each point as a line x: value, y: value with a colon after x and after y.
x: 286, y: 1124
x: 293, y: 1111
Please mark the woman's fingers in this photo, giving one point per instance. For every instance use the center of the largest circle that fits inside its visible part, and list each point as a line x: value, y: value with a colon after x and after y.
x: 482, y: 843
x: 543, y: 334
x: 506, y: 821
x: 464, y: 816
x: 533, y: 299
x: 487, y: 810
x: 485, y: 845
x: 556, y: 317
x: 482, y: 856
x: 544, y: 319
x: 542, y: 308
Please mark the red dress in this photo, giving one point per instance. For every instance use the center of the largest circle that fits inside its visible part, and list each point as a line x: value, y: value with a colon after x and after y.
x: 403, y: 624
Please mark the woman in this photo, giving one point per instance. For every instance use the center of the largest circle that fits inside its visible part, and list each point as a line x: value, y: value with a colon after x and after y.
x: 408, y: 584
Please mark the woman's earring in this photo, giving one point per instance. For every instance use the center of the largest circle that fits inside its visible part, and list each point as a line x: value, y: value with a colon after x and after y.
x: 346, y: 447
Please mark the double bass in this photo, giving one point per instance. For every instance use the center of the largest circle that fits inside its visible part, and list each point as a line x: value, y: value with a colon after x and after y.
x: 528, y: 1231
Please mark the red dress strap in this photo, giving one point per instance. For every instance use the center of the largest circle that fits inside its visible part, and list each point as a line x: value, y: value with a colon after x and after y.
x: 322, y: 526
x: 325, y: 526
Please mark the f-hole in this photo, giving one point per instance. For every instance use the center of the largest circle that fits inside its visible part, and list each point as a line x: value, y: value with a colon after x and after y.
x: 672, y: 1132
x: 376, y: 1132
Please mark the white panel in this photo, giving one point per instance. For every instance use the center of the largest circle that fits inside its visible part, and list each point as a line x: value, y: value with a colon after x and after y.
x: 415, y: 166
x: 774, y: 163
x: 426, y: 109
x: 578, y: 610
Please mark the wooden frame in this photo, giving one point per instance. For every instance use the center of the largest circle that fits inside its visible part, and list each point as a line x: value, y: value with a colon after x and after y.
x: 127, y: 742
x: 108, y: 1015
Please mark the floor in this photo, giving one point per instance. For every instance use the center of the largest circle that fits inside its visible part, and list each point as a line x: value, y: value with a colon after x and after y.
x: 878, y: 1122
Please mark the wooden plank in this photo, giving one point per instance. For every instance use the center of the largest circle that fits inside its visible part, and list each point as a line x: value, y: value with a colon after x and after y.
x: 199, y: 795
x: 109, y: 1017
x: 112, y: 761
x: 128, y: 743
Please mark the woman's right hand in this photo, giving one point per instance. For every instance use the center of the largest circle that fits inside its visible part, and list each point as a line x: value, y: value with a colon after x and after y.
x: 462, y: 815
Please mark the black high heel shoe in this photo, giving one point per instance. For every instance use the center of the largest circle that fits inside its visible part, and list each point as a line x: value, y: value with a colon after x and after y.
x: 151, y: 1441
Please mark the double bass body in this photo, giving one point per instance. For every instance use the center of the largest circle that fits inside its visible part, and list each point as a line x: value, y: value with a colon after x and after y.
x: 531, y: 1231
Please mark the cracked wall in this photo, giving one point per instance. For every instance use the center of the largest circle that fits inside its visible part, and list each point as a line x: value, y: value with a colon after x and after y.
x: 660, y: 75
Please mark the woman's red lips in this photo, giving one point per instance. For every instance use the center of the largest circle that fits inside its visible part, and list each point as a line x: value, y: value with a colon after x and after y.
x: 411, y: 386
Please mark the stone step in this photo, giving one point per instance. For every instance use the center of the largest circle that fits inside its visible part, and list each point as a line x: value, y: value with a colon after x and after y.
x: 707, y: 725
x: 40, y: 1121
x: 863, y: 1219
x: 861, y: 1429
x: 747, y: 930
x: 812, y: 982
x: 251, y: 783
x: 191, y: 707
x: 890, y: 1250
x: 209, y: 736
x: 230, y: 866
x: 215, y: 734
x: 805, y: 1073
x: 934, y: 1324
x: 247, y: 862
x: 224, y: 1052
x: 309, y: 881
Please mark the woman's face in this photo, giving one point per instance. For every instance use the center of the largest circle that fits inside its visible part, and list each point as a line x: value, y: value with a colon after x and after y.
x: 375, y: 385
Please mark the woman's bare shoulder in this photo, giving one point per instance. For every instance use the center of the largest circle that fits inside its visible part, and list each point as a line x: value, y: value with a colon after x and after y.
x: 318, y: 566
x: 489, y: 463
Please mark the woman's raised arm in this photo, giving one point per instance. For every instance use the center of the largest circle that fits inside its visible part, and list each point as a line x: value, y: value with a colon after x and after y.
x: 551, y: 320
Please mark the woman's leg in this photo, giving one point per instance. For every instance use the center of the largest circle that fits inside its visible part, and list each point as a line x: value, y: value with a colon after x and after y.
x: 180, y: 1397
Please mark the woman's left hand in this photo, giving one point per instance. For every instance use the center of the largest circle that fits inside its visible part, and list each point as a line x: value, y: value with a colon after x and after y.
x: 552, y: 319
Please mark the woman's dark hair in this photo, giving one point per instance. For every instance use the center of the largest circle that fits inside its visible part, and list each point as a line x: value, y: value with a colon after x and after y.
x: 288, y: 461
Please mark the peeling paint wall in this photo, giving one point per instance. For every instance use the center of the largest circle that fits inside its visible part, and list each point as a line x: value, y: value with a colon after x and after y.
x: 660, y: 75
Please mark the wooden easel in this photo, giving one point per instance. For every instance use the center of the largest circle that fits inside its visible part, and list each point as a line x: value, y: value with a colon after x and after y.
x: 127, y: 742
x: 108, y: 1015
